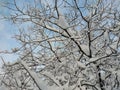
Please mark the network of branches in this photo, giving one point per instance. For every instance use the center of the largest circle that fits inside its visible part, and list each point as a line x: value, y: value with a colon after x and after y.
x: 67, y: 45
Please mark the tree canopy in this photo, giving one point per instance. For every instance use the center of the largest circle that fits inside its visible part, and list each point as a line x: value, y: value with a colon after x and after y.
x: 67, y: 45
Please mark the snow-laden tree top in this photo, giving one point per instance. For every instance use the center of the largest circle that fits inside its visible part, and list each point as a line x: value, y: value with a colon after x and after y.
x: 68, y: 45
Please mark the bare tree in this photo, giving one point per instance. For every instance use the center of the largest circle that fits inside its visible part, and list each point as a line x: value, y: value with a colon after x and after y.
x: 68, y: 45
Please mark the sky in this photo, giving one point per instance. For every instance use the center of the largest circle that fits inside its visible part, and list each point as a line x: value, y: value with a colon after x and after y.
x: 7, y: 31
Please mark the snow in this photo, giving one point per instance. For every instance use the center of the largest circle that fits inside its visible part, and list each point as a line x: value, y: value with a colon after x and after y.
x: 114, y: 45
x: 81, y: 65
x: 108, y: 50
x: 85, y: 48
x: 106, y: 36
x: 55, y: 30
x: 3, y: 88
x: 94, y: 59
x: 41, y: 84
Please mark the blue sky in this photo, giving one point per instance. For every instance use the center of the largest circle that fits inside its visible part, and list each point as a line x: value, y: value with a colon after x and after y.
x: 7, y: 31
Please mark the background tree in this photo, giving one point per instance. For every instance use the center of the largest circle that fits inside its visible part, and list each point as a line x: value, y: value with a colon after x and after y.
x: 68, y: 45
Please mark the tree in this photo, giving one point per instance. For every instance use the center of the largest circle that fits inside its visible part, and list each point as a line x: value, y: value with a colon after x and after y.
x: 68, y: 45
